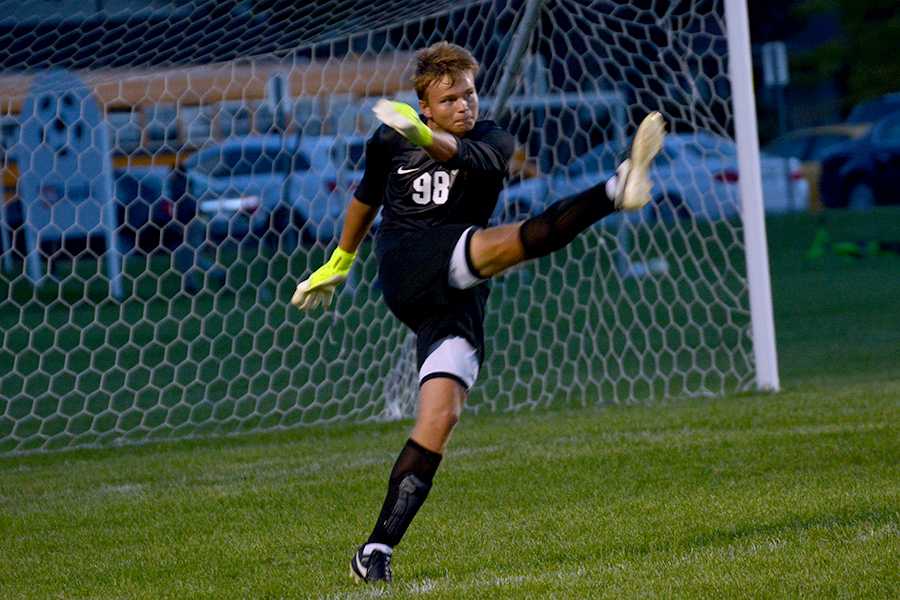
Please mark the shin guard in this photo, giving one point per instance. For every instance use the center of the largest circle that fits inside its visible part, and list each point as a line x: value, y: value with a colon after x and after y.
x: 554, y: 228
x: 411, y: 494
x: 408, y: 487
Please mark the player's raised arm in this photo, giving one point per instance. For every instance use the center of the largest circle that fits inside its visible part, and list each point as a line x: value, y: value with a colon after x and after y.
x: 490, y: 152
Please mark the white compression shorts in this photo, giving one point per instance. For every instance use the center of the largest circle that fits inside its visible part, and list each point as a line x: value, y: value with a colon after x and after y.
x: 461, y: 274
x: 452, y: 357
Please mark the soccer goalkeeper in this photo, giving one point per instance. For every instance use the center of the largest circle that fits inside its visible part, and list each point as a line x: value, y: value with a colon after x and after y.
x: 438, y: 181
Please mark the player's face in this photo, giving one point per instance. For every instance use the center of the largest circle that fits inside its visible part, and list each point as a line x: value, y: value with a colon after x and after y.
x: 452, y: 104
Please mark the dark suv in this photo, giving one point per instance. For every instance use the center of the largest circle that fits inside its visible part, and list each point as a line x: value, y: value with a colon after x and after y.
x: 865, y: 172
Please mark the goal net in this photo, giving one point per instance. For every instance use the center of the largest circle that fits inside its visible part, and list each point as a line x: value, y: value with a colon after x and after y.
x: 172, y: 172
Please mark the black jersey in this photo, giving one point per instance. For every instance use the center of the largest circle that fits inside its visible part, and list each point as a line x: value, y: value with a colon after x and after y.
x: 419, y: 193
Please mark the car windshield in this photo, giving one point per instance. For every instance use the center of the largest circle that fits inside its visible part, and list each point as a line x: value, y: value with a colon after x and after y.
x: 889, y: 132
x: 823, y: 144
x: 874, y: 110
x: 251, y: 161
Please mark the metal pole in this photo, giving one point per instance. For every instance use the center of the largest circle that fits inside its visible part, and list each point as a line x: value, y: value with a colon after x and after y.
x: 741, y: 75
x: 516, y: 54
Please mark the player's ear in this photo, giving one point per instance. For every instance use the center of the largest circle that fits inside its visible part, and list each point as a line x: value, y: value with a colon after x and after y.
x: 424, y: 108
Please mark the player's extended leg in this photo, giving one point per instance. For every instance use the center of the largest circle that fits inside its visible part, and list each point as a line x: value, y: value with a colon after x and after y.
x: 493, y: 250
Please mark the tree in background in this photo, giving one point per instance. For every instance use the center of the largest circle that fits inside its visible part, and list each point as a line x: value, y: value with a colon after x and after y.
x: 863, y: 60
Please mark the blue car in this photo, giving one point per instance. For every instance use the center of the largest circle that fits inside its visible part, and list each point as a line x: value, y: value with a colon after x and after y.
x: 248, y: 187
x: 236, y: 187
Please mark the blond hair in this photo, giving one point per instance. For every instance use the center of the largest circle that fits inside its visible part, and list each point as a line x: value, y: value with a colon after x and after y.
x: 440, y: 60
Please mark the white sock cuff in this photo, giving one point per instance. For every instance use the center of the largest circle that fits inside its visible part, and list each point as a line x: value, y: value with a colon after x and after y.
x: 454, y: 356
x: 383, y: 548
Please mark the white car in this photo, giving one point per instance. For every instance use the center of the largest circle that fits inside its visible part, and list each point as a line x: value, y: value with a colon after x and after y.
x: 695, y: 175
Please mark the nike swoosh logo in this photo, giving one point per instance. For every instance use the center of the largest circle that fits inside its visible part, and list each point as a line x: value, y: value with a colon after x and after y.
x: 402, y: 171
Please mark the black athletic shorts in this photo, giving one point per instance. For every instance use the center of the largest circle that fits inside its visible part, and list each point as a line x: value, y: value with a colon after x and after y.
x: 413, y: 267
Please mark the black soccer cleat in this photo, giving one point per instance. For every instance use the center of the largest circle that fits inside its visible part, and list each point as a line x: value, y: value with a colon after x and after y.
x: 372, y: 567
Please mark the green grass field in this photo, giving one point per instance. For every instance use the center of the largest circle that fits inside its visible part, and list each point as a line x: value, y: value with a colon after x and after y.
x: 753, y: 495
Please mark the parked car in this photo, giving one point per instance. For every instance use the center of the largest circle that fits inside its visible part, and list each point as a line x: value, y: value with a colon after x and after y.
x: 810, y: 145
x: 875, y: 109
x: 237, y: 185
x: 259, y: 186
x: 864, y: 172
x: 694, y: 175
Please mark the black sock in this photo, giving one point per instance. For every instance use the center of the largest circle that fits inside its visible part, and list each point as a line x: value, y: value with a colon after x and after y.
x: 408, y: 486
x: 562, y: 221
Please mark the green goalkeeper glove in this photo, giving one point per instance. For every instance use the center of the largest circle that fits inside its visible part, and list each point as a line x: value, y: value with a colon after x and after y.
x: 404, y: 120
x: 319, y: 287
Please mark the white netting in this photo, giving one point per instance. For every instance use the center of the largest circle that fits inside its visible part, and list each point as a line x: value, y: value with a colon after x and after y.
x: 147, y: 273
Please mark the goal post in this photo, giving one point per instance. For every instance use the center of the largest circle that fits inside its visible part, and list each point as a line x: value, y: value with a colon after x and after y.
x: 741, y: 72
x: 237, y: 135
